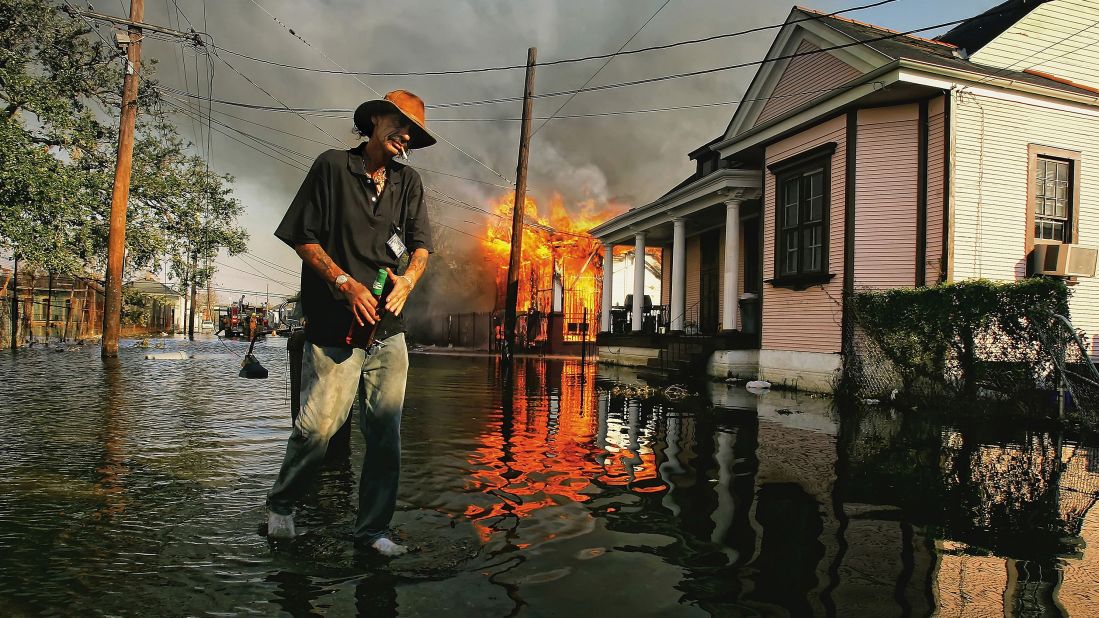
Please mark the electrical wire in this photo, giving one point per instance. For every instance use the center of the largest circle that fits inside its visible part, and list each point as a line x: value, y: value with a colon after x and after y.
x: 600, y: 69
x: 241, y: 257
x: 277, y: 100
x: 273, y: 265
x: 309, y: 158
x: 378, y: 94
x: 275, y: 157
x: 627, y: 83
x: 549, y: 63
x: 259, y: 124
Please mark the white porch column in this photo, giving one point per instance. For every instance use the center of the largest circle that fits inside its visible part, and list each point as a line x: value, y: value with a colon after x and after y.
x: 608, y: 278
x: 732, y: 274
x: 679, y: 273
x: 638, y: 281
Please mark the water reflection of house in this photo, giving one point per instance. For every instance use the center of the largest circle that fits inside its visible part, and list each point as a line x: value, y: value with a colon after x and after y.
x: 864, y: 158
x: 776, y: 505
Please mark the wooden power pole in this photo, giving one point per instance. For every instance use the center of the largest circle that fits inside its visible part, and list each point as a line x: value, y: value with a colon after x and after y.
x: 15, y: 303
x: 518, y: 211
x: 116, y: 238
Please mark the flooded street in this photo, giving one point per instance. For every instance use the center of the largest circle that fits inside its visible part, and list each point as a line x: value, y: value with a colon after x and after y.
x: 139, y: 489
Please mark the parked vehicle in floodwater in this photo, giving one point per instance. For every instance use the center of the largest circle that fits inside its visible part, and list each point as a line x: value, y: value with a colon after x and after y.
x: 241, y: 319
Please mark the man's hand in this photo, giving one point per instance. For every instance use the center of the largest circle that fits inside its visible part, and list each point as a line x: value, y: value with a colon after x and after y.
x: 363, y: 304
x: 399, y: 294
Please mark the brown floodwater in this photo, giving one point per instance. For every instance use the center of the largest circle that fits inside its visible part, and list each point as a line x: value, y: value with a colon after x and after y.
x: 137, y: 488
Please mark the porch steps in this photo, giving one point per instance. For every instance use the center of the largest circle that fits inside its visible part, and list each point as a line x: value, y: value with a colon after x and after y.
x: 683, y: 356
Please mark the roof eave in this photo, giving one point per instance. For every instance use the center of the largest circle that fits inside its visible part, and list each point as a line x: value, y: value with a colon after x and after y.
x: 633, y: 220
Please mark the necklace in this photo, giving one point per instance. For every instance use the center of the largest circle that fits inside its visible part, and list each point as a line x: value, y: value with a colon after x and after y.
x: 378, y: 177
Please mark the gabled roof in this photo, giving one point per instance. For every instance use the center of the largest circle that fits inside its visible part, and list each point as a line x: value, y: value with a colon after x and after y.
x: 152, y: 288
x: 880, y: 46
x: 945, y: 53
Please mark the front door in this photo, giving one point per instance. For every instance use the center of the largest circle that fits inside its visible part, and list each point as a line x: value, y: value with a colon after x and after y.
x: 709, y: 277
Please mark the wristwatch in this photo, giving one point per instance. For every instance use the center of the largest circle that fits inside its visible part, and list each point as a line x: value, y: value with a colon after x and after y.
x: 342, y: 279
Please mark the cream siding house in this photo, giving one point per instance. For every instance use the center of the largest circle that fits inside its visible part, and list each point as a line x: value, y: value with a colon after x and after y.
x: 863, y: 158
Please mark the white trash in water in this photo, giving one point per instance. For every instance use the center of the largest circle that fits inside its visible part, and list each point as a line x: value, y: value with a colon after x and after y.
x: 168, y: 356
x: 758, y: 384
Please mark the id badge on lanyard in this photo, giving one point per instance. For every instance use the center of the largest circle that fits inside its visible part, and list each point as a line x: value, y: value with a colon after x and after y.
x: 396, y: 245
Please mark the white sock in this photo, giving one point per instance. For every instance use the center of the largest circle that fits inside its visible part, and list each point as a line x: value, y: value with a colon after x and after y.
x: 280, y: 526
x: 388, y: 548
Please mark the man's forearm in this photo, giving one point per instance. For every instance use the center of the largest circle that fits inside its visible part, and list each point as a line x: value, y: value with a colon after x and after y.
x: 417, y: 265
x: 316, y: 258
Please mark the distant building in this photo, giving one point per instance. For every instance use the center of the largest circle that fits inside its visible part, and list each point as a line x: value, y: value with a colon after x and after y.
x: 167, y: 311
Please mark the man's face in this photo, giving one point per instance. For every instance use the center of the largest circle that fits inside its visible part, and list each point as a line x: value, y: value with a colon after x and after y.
x: 392, y: 131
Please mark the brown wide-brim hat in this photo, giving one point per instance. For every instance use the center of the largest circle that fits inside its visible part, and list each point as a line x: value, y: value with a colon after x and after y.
x: 401, y: 102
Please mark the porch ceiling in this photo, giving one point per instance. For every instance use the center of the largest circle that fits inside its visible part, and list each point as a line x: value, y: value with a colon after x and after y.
x: 655, y: 218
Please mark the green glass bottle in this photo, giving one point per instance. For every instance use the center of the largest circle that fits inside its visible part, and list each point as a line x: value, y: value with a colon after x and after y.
x: 362, y: 336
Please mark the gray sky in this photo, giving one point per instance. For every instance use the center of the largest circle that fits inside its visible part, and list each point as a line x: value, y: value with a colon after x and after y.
x: 625, y: 159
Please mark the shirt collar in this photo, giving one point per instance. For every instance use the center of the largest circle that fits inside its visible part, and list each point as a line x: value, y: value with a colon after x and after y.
x: 355, y: 165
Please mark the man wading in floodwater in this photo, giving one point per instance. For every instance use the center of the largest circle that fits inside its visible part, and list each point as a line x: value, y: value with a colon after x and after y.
x: 357, y: 211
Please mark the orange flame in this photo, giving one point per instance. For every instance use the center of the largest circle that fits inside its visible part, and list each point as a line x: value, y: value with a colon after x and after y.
x: 557, y: 253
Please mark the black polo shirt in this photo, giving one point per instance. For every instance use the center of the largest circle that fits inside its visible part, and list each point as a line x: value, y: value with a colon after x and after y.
x: 338, y: 208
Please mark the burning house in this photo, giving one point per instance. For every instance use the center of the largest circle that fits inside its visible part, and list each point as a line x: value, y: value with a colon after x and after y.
x: 561, y: 273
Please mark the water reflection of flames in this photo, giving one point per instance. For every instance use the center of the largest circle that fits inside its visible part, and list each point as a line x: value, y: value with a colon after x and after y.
x: 567, y: 253
x: 547, y: 454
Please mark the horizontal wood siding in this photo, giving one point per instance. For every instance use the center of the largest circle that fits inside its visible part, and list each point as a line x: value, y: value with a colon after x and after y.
x: 886, y: 197
x: 990, y: 191
x: 804, y: 79
x: 805, y: 320
x: 936, y: 134
x: 1057, y: 38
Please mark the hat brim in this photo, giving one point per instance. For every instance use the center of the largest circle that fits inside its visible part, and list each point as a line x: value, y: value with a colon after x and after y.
x: 420, y: 136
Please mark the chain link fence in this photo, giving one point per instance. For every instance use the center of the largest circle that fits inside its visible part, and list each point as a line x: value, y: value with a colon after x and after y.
x: 967, y: 342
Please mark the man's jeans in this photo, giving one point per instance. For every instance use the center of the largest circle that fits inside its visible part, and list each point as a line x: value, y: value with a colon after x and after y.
x: 331, y: 380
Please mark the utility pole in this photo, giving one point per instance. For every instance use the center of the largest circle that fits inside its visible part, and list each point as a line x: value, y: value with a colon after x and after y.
x: 518, y: 210
x: 15, y: 303
x: 194, y: 297
x: 49, y: 306
x: 116, y: 238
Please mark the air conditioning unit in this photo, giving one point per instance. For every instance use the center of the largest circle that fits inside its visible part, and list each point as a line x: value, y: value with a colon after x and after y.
x: 1065, y: 260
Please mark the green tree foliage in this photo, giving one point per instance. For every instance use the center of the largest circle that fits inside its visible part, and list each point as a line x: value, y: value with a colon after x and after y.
x: 60, y: 91
x: 136, y: 307
x: 960, y: 336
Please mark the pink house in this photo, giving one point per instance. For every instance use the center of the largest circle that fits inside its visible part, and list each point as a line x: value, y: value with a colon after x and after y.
x: 862, y: 158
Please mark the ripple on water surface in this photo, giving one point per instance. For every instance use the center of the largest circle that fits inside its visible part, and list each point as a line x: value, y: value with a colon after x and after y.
x: 138, y: 488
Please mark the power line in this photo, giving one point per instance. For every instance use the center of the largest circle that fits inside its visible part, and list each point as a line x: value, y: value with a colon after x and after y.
x: 251, y: 292
x: 378, y: 94
x: 277, y: 156
x: 253, y: 274
x: 484, y: 182
x: 259, y: 124
x: 549, y: 63
x: 463, y: 232
x: 600, y: 69
x: 632, y: 82
x: 651, y: 110
x: 273, y: 264
x: 276, y: 99
x: 282, y: 149
x: 1047, y: 47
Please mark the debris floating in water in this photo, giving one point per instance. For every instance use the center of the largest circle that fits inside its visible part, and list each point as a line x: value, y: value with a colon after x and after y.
x: 168, y: 356
x: 672, y: 392
x: 758, y: 387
